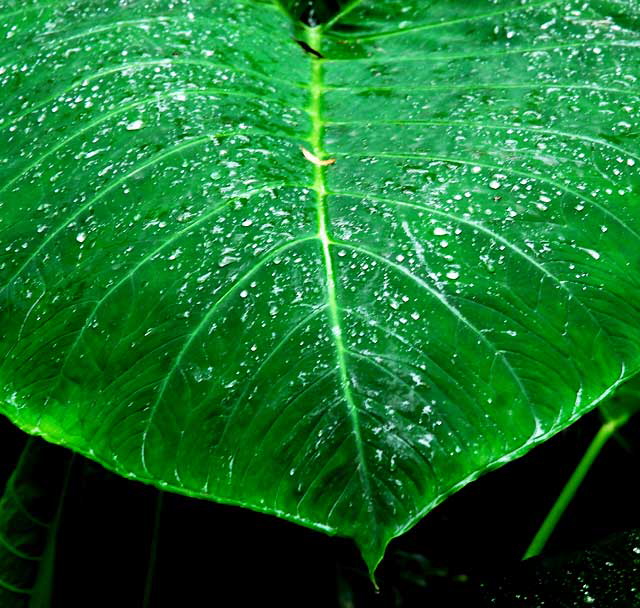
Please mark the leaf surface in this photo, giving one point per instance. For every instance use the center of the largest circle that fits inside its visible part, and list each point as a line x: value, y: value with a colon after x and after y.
x: 191, y: 300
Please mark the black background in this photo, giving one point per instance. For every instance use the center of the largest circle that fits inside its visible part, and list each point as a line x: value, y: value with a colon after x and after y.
x: 467, y: 552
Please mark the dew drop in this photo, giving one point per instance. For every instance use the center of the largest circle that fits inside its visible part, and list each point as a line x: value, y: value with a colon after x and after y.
x: 135, y: 125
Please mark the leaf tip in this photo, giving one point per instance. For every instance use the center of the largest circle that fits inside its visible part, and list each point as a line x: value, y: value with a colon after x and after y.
x: 372, y: 554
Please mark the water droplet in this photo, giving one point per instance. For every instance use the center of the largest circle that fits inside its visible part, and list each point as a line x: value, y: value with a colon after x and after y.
x: 135, y: 125
x: 226, y: 260
x: 426, y: 440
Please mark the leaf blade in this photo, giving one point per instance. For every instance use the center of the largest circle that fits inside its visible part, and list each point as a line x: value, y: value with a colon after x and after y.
x: 172, y: 312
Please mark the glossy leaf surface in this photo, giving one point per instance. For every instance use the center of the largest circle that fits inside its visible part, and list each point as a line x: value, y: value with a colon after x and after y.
x: 341, y: 336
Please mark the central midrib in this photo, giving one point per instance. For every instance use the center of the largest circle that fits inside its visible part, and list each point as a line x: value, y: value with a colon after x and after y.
x: 314, y: 40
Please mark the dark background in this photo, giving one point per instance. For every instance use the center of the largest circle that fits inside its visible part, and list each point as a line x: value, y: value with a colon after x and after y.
x: 467, y: 552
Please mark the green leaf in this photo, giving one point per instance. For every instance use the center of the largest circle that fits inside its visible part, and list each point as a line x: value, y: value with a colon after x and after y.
x: 191, y: 300
x: 29, y: 516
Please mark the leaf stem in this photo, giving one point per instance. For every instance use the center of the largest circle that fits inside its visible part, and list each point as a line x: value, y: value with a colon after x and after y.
x: 568, y: 492
x: 153, y: 551
x: 42, y: 594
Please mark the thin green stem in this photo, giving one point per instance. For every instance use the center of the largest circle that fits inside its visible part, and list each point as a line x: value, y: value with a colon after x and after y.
x: 568, y: 492
x: 42, y: 593
x: 153, y: 551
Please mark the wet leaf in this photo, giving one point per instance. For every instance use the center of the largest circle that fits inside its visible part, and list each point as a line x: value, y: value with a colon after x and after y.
x: 188, y: 300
